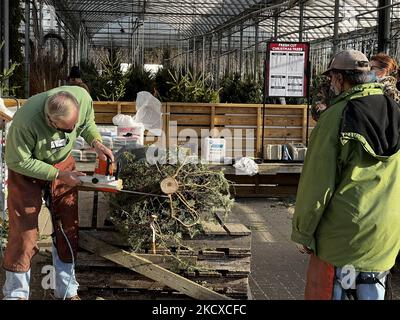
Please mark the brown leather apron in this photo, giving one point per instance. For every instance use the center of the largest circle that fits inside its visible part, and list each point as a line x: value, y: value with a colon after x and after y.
x: 24, y: 203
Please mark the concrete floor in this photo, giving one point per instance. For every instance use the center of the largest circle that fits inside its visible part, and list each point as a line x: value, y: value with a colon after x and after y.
x: 278, y: 268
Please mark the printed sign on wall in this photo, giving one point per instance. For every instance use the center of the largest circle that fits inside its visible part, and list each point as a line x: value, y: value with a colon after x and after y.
x: 286, y: 69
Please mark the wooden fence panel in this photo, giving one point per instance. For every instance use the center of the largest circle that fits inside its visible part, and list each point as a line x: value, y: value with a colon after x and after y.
x: 283, y: 123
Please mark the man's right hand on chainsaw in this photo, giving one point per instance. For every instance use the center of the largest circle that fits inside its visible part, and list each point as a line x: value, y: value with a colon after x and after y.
x: 71, y: 178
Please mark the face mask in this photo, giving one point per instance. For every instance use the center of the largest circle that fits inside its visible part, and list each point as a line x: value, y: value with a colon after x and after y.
x: 374, y: 77
x: 335, y: 90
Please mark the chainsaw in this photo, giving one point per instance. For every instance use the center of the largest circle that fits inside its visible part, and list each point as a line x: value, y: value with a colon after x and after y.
x: 105, y: 179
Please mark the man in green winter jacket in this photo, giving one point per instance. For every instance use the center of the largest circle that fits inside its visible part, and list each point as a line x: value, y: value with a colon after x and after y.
x: 347, y: 212
x: 38, y: 156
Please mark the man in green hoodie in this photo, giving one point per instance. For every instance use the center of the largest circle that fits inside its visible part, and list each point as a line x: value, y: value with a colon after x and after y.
x: 38, y: 156
x: 347, y: 212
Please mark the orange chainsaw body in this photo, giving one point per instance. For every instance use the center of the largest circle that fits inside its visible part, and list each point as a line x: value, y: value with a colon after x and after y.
x: 104, y: 172
x: 104, y: 167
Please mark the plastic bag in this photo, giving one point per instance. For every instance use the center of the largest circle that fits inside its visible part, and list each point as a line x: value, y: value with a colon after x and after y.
x: 7, y: 111
x: 246, y: 166
x: 149, y: 112
x: 123, y: 120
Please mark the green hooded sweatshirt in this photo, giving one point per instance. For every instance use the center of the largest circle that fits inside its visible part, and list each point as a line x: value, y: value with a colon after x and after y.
x: 30, y: 141
x: 348, y: 203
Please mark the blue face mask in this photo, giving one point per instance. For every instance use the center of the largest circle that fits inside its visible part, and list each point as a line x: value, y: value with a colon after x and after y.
x: 373, y: 77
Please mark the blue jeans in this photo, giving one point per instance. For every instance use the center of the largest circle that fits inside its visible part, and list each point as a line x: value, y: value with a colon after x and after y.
x: 17, y: 283
x: 374, y: 291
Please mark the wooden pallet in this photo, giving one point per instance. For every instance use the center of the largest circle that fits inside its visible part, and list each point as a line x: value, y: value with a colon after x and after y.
x: 221, y: 257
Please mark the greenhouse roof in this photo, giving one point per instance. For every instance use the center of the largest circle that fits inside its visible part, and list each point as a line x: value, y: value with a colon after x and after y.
x: 168, y: 21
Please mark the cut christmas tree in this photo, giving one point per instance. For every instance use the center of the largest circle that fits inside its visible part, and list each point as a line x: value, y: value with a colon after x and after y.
x: 194, y: 193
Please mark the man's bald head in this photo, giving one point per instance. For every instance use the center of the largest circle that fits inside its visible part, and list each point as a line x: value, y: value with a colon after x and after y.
x: 62, y: 110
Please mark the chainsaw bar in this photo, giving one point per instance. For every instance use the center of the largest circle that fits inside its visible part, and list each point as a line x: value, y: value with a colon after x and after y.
x: 143, y: 193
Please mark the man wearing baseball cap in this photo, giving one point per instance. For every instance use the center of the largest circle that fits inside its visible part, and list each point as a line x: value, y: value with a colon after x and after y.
x: 347, y: 212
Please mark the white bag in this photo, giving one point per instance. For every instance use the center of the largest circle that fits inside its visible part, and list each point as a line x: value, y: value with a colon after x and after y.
x: 246, y: 166
x: 4, y: 109
x: 123, y: 120
x: 148, y: 112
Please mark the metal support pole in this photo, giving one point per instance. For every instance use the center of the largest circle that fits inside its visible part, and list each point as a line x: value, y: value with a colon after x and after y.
x: 336, y: 27
x: 301, y: 24
x: 68, y: 52
x: 256, y: 31
x: 87, y: 49
x: 83, y: 45
x: 74, y: 56
x: 27, y: 46
x: 384, y: 18
x: 203, y: 56
x: 187, y: 56
x: 77, y: 51
x: 228, y: 65
x: 84, y: 49
x: 194, y: 62
x: 59, y: 53
x: 85, y: 57
x: 276, y: 26
x: 133, y: 49
x: 218, y: 62
x: 241, y: 51
x: 211, y: 70
x: 79, y: 46
x: 41, y: 20
x: 143, y: 49
x: 6, y: 32
x: 51, y: 28
x: 137, y: 45
x: 134, y: 45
